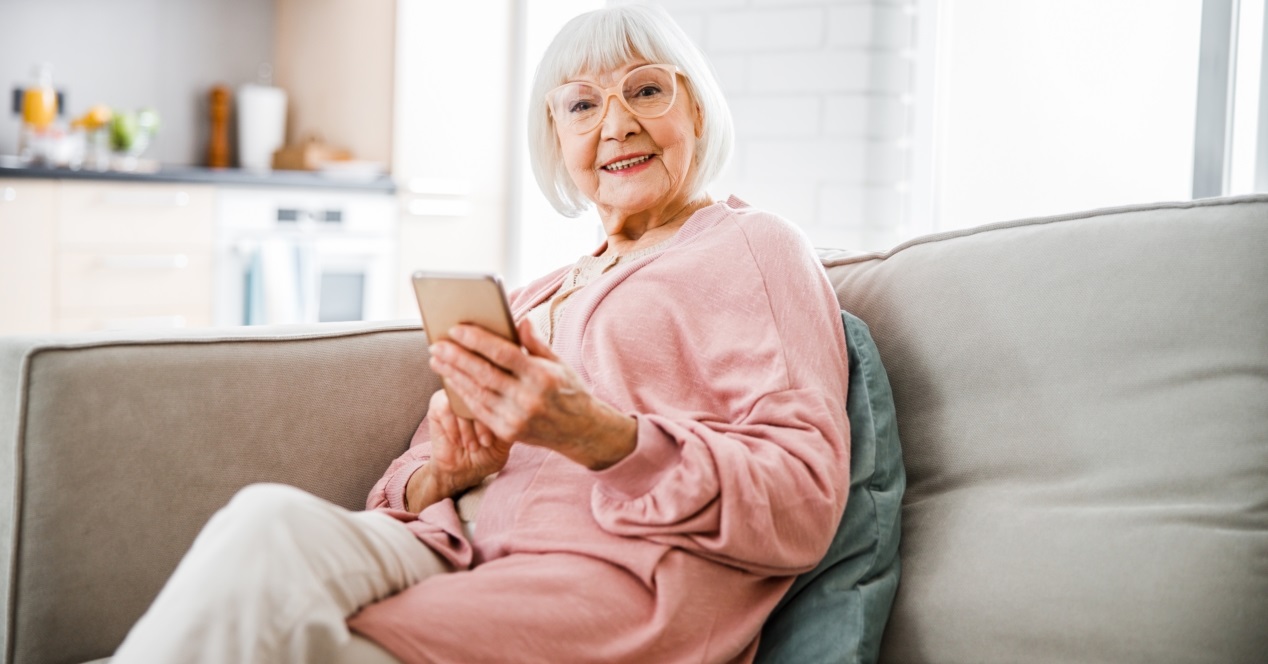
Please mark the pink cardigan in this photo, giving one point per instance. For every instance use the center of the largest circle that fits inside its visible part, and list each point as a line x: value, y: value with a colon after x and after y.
x: 728, y: 349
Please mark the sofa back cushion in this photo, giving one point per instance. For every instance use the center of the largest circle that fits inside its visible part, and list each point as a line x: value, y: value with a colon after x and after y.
x: 1083, y: 403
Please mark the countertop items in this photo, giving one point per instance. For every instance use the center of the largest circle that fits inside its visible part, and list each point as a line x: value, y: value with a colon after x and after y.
x: 218, y: 144
x: 261, y: 123
x: 310, y: 154
x: 195, y: 174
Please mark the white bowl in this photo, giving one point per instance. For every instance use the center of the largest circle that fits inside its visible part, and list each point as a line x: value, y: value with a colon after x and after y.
x: 352, y: 170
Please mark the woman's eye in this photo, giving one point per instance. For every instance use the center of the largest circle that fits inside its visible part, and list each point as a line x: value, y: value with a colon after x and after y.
x: 580, y: 106
x: 647, y: 91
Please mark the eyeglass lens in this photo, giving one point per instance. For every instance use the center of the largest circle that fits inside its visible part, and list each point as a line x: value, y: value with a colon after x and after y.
x: 647, y: 92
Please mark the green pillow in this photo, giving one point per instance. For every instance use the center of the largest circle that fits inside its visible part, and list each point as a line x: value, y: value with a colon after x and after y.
x: 837, y: 611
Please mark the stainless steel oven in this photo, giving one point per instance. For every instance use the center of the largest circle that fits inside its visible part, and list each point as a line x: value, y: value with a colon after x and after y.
x: 304, y: 256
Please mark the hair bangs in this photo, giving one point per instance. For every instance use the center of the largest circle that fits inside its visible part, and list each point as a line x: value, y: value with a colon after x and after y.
x: 612, y: 41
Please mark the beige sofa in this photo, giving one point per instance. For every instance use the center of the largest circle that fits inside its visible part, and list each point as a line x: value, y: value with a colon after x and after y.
x: 1083, y: 404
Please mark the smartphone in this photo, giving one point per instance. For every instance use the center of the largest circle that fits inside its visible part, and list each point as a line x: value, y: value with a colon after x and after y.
x: 446, y: 299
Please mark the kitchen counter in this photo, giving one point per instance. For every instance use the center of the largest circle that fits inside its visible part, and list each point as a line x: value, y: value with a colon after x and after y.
x: 217, y: 176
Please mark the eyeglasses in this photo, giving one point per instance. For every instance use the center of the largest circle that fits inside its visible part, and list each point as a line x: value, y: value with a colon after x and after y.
x: 647, y: 92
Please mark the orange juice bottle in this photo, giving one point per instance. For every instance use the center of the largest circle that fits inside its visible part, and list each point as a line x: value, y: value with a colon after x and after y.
x: 39, y: 101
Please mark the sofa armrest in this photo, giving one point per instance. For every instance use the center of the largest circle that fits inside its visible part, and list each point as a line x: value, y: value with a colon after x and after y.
x: 117, y: 448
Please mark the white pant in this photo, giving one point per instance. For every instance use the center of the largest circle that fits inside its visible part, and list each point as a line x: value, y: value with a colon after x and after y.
x: 271, y: 578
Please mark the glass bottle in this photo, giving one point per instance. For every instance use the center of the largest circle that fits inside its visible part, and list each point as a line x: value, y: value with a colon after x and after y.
x: 39, y: 112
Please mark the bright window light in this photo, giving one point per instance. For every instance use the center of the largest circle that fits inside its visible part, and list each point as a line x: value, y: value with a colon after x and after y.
x: 1246, y: 94
x: 1054, y: 106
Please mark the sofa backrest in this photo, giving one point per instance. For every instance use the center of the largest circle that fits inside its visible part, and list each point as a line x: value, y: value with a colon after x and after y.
x: 1083, y: 405
x: 116, y: 449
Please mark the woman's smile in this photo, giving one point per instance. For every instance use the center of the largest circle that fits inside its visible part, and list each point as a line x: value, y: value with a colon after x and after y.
x: 627, y: 165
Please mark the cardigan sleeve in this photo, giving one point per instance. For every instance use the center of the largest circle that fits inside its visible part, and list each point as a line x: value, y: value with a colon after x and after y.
x: 764, y: 495
x: 389, y: 491
x: 761, y: 483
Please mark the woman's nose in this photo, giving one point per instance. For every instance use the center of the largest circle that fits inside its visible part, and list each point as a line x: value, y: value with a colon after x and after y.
x: 617, y: 121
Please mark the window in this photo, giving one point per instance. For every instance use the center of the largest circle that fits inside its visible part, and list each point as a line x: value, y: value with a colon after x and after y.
x: 1051, y: 106
x: 540, y: 238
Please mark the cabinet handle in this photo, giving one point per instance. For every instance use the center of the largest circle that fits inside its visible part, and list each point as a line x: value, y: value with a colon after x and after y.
x: 146, y: 198
x: 8, y: 194
x: 146, y: 262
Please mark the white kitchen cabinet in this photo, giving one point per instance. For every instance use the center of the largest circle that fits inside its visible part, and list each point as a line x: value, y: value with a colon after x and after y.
x: 80, y: 255
x: 133, y: 255
x: 28, y: 210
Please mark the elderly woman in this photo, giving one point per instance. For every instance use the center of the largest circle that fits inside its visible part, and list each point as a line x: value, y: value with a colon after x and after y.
x: 663, y: 455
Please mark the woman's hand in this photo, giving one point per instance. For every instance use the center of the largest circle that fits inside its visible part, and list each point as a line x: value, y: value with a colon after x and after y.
x: 463, y: 452
x: 528, y: 395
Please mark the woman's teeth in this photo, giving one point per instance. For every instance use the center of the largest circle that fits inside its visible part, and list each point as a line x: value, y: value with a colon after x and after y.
x: 621, y: 165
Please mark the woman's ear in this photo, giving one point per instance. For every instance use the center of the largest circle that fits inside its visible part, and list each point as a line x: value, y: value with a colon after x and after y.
x: 699, y: 121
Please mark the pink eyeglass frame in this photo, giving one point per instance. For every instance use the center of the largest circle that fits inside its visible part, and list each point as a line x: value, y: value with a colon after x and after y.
x: 615, y: 91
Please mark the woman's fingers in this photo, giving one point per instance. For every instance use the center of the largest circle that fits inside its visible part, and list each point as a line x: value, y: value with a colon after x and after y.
x: 513, y: 394
x: 441, y: 415
x: 484, y: 435
x: 473, y: 389
x: 494, y: 349
x: 486, y: 406
x: 468, y: 432
x: 532, y: 342
x: 450, y: 359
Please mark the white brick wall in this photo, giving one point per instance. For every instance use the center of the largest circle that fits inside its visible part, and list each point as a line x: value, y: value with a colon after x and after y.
x: 781, y: 30
x: 820, y: 93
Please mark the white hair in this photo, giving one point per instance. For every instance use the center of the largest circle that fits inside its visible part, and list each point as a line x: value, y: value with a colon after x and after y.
x: 606, y: 39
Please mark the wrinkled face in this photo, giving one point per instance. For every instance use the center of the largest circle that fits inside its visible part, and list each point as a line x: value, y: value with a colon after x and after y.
x: 626, y: 163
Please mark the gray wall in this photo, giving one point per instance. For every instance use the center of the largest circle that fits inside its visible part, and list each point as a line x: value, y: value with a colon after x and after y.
x: 133, y: 53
